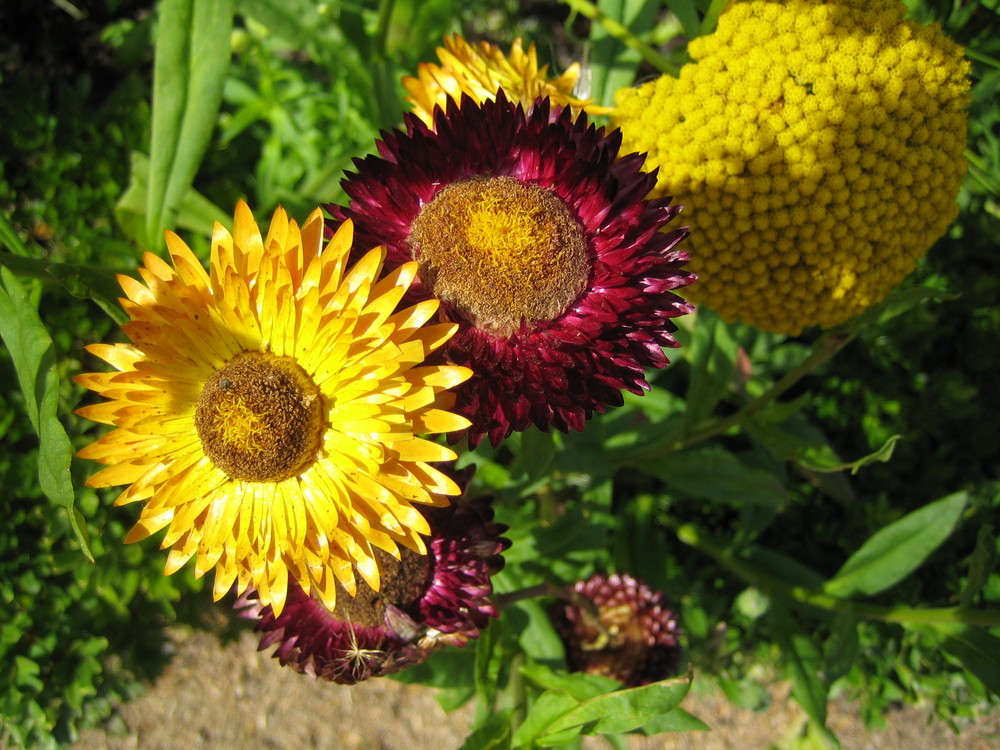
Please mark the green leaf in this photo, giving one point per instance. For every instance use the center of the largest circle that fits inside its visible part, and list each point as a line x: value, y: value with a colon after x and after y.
x: 883, y: 455
x: 612, y: 64
x: 981, y: 565
x: 795, y: 439
x: 895, y: 551
x: 492, y: 734
x: 677, y: 720
x: 712, y: 354
x: 803, y: 663
x: 544, y: 712
x: 687, y: 14
x: 978, y: 651
x: 192, y: 59
x: 580, y: 685
x: 898, y: 302
x: 195, y: 212
x: 713, y: 473
x: 32, y: 353
x: 623, y: 710
x: 842, y: 647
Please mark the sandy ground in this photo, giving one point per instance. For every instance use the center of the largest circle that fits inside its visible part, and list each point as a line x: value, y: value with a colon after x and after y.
x: 231, y: 696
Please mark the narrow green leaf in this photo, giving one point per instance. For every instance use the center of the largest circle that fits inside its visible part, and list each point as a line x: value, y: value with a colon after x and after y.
x: 715, y: 9
x: 84, y: 282
x: 981, y: 565
x: 895, y: 551
x: 803, y: 663
x: 687, y: 14
x: 795, y: 439
x: 898, y: 302
x: 195, y: 212
x: 842, y: 647
x: 31, y: 351
x: 978, y: 651
x: 613, y: 64
x: 10, y: 239
x: 713, y: 473
x: 192, y: 58
x: 712, y: 354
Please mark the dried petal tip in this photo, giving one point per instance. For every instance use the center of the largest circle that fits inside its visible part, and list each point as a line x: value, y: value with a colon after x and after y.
x: 634, y: 637
x: 425, y: 603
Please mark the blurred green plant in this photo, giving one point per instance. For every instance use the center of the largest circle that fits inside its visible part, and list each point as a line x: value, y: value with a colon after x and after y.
x: 820, y: 508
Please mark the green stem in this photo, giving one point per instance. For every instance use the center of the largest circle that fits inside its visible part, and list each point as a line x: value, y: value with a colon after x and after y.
x: 825, y: 349
x: 623, y: 35
x: 382, y: 29
x: 694, y: 537
x: 980, y: 57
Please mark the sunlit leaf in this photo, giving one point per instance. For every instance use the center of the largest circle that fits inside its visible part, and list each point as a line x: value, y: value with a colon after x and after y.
x: 195, y: 213
x: 623, y: 710
x: 31, y: 351
x: 192, y: 58
x: 898, y: 549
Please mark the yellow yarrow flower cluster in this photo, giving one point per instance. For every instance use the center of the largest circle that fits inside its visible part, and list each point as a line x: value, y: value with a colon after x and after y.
x: 480, y: 71
x: 817, y: 147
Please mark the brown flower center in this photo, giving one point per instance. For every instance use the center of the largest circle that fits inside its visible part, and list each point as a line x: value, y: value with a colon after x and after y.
x: 260, y: 418
x: 403, y: 582
x: 501, y: 251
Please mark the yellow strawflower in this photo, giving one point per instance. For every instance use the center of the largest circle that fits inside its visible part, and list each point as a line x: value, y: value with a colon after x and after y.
x: 817, y: 148
x: 267, y: 410
x: 480, y: 70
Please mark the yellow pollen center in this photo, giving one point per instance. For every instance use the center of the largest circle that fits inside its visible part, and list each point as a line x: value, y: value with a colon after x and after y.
x: 501, y: 251
x: 260, y: 418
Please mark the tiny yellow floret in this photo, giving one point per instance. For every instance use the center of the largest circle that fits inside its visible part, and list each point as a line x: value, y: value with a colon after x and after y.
x: 849, y: 125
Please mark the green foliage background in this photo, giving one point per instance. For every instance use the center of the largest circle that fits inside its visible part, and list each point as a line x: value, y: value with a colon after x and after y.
x: 821, y: 507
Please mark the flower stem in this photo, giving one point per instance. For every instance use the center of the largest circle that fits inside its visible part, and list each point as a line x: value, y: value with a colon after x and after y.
x: 694, y: 537
x: 825, y: 348
x: 382, y: 29
x: 623, y: 35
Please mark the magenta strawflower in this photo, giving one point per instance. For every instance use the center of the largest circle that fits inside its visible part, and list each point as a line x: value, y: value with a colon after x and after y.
x: 425, y: 602
x: 536, y: 236
x: 634, y: 637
